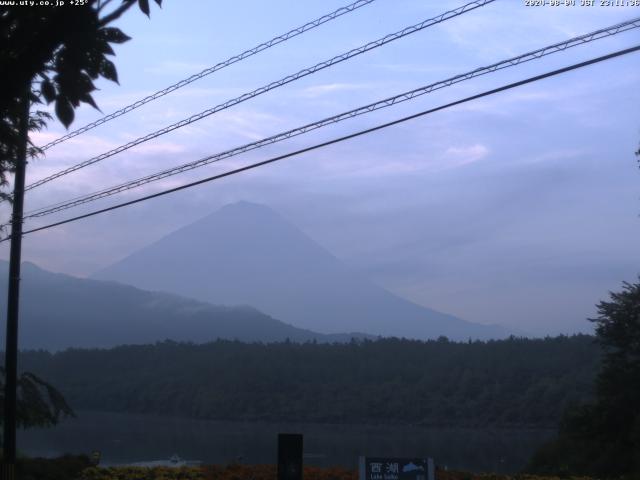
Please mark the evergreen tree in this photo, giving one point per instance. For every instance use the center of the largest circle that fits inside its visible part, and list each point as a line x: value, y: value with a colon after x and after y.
x: 603, y: 438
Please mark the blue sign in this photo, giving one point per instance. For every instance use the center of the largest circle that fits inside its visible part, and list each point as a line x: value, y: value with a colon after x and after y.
x: 391, y: 468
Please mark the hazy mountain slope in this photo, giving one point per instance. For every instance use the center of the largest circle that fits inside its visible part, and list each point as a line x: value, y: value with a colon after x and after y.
x: 247, y: 254
x: 59, y: 311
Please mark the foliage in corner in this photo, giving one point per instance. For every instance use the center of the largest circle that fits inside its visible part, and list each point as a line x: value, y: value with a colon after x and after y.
x: 39, y: 403
x: 603, y: 438
x: 53, y: 55
x: 67, y: 467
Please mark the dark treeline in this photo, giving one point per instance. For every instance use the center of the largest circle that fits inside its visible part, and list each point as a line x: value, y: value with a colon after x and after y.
x: 514, y: 382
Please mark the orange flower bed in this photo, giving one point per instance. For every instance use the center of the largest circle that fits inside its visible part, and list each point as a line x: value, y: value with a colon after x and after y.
x: 211, y: 472
x: 452, y: 475
x: 267, y: 472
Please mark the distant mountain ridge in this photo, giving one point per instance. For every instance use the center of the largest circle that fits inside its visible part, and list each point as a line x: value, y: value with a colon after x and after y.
x: 59, y: 311
x: 246, y: 253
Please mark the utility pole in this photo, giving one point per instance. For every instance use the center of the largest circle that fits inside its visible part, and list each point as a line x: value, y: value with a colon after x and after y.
x: 13, y: 297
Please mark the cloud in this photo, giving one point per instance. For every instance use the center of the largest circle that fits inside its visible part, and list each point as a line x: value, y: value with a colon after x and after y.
x: 248, y: 124
x: 329, y: 88
x: 159, y: 147
x: 173, y: 67
x: 459, y: 156
x: 487, y: 33
x: 556, y: 155
x: 412, y: 68
x: 118, y: 100
x: 69, y: 152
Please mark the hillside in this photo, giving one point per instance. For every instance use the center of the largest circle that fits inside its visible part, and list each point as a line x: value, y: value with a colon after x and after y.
x: 60, y: 311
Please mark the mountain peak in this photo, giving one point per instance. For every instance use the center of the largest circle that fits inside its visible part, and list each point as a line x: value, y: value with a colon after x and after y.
x: 247, y: 254
x: 242, y: 216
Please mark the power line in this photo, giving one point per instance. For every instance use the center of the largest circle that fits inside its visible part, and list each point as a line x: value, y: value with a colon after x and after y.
x: 283, y: 81
x: 536, y: 54
x: 219, y: 66
x: 341, y: 139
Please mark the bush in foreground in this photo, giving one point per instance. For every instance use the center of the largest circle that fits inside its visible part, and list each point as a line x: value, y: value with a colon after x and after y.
x: 79, y: 468
x: 268, y: 472
x: 67, y: 467
x: 210, y: 472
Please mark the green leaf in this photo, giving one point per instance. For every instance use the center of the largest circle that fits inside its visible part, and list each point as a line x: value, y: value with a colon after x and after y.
x: 48, y: 90
x: 64, y: 111
x: 103, y: 47
x: 84, y: 83
x: 92, y: 64
x: 114, y: 35
x: 108, y: 70
x: 144, y: 6
x: 87, y: 98
x: 34, y: 97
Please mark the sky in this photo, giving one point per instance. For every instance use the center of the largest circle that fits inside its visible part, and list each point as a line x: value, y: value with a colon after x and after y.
x: 519, y: 208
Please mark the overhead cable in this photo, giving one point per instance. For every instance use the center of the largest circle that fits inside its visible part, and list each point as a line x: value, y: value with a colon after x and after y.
x: 208, y: 71
x: 536, y: 54
x: 273, y: 85
x: 339, y: 139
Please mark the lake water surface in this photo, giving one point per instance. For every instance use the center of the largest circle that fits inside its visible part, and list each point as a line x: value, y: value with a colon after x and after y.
x: 127, y: 438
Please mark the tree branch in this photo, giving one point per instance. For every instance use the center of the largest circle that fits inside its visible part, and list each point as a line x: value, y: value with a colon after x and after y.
x: 117, y: 13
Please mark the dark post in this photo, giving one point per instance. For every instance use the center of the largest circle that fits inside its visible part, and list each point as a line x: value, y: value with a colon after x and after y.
x: 13, y: 299
x: 289, y: 456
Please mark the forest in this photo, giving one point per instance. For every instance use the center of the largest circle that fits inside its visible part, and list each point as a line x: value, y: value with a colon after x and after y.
x: 513, y: 382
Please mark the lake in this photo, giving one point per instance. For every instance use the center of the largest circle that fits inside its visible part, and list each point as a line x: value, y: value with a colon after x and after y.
x: 127, y: 438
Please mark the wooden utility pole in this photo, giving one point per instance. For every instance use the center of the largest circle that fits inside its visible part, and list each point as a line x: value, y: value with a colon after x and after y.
x: 13, y: 297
